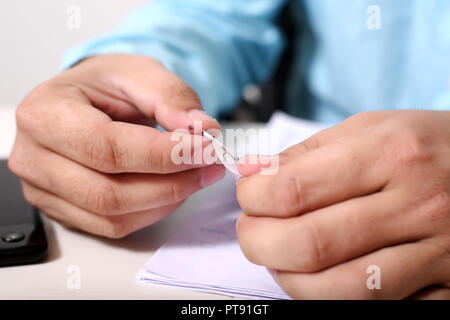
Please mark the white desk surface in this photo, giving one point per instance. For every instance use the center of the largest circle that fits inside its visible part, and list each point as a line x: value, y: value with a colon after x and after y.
x: 108, y: 267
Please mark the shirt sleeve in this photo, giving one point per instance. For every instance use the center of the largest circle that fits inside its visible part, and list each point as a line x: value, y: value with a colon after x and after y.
x: 216, y: 46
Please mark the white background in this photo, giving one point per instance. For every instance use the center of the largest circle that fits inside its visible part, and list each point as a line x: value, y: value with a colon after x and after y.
x: 34, y: 35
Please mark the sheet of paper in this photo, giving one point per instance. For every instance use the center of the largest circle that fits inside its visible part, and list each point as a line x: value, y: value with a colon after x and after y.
x: 204, y: 254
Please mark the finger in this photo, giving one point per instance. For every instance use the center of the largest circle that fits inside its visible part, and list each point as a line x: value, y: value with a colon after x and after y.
x: 252, y: 164
x: 403, y: 270
x: 432, y: 293
x: 72, y: 216
x: 113, y: 194
x: 136, y: 84
x: 155, y: 91
x: 86, y: 135
x: 166, y: 97
x: 339, y: 171
x: 332, y: 235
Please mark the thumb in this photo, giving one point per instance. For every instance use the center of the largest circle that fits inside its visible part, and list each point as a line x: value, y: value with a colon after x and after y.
x: 251, y: 164
x: 162, y: 95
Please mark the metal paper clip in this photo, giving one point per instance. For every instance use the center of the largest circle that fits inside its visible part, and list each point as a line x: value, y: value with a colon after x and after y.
x: 225, y: 156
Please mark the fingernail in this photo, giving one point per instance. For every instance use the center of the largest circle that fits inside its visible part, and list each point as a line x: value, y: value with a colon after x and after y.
x: 212, y: 174
x: 197, y: 114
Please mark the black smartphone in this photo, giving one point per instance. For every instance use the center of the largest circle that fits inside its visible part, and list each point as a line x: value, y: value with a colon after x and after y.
x: 22, y: 235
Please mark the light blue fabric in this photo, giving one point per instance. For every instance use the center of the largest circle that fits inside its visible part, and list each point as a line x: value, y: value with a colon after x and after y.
x: 219, y: 46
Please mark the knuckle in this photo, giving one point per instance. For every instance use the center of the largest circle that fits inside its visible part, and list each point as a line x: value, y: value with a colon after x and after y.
x: 27, y: 117
x: 442, y: 246
x: 156, y: 160
x: 441, y: 205
x: 438, y: 209
x: 104, y: 199
x: 310, y: 249
x: 174, y: 193
x: 117, y: 154
x: 104, y: 154
x: 22, y: 115
x: 94, y: 149
x: 115, y: 228
x: 310, y: 144
x: 31, y: 197
x: 291, y: 197
x: 431, y: 209
x: 409, y: 145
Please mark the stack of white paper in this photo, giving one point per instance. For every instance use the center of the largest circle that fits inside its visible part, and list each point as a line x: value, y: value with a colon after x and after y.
x: 204, y: 253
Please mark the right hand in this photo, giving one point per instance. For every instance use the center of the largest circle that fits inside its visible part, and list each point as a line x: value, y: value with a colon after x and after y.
x: 87, y: 155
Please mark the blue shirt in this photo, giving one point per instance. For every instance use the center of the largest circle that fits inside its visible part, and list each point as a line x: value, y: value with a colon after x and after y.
x: 352, y: 57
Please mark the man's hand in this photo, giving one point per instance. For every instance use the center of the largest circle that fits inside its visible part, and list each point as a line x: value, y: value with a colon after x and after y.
x: 88, y: 156
x: 373, y: 190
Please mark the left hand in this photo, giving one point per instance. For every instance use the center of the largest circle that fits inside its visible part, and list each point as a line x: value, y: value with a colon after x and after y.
x: 373, y: 190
